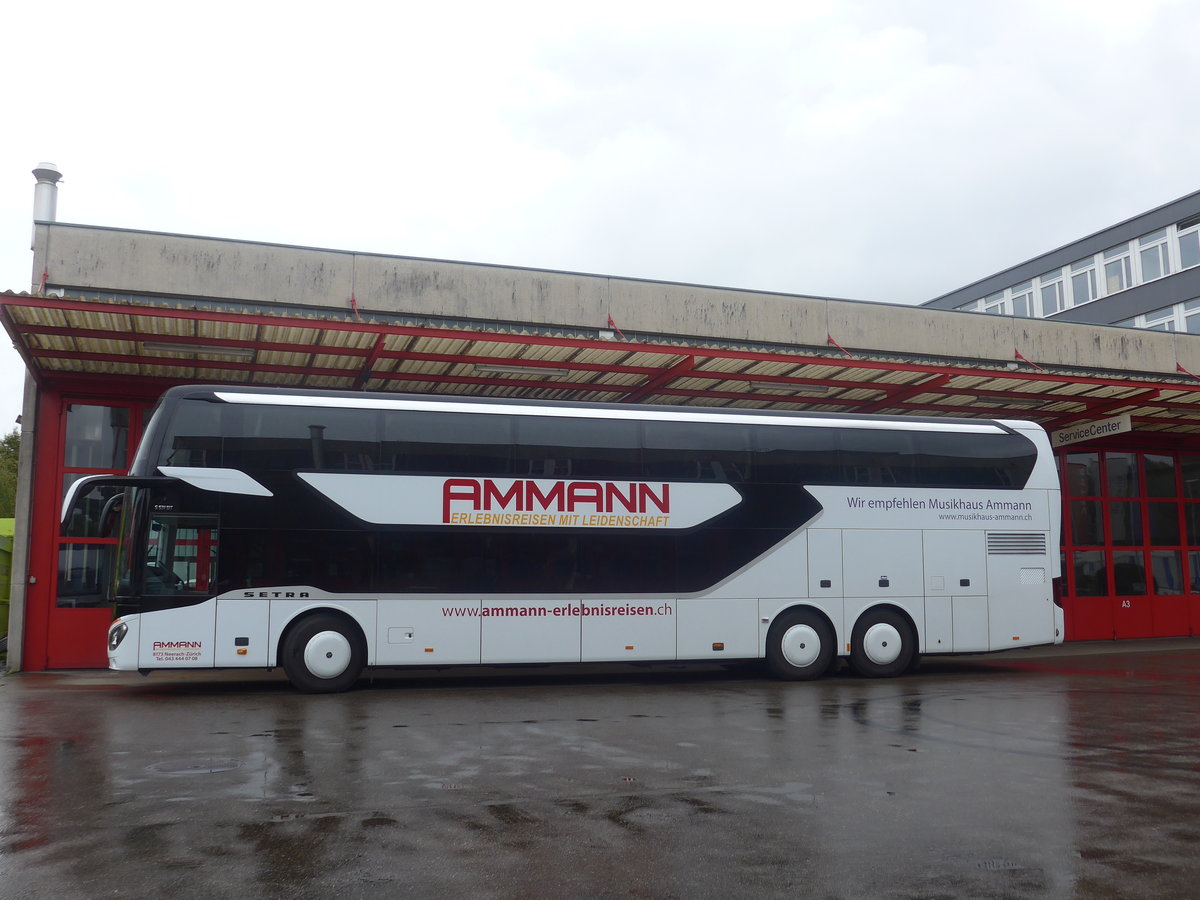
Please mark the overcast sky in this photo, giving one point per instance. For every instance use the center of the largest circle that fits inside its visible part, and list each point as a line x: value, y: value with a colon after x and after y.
x: 874, y: 150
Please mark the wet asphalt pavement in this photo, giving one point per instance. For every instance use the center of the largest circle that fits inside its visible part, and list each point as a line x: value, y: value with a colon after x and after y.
x: 1055, y: 773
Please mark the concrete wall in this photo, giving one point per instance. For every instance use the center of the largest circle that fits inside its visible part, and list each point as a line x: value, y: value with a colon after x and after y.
x: 84, y: 260
x: 21, y: 527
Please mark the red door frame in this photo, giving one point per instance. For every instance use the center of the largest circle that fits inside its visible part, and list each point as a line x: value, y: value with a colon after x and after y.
x: 53, y: 637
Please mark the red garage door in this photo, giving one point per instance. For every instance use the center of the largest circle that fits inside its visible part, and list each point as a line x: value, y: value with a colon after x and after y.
x: 1131, y: 542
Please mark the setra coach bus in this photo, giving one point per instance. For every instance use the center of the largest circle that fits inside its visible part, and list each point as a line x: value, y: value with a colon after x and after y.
x: 330, y: 532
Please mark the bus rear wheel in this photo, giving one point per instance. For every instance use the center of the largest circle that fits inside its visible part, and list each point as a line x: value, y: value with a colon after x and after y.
x: 800, y: 646
x: 882, y: 644
x: 323, y: 654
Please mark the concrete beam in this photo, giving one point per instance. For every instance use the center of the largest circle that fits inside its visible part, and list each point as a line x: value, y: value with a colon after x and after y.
x: 85, y: 260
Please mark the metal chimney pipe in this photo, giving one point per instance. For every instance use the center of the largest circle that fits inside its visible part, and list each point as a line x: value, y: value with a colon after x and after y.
x: 45, y: 193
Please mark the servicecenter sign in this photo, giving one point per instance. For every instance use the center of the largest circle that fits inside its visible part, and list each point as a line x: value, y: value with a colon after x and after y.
x: 1091, y: 430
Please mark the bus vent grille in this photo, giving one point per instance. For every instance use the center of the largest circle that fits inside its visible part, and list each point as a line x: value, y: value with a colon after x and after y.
x: 1000, y: 543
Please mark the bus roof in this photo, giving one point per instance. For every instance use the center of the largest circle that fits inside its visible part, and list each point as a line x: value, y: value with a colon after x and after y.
x: 293, y: 397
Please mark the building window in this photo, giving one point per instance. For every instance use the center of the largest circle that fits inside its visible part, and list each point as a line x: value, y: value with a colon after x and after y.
x: 1122, y: 471
x: 1118, y: 269
x: 97, y: 437
x: 1152, y: 253
x: 1189, y: 242
x: 973, y: 306
x: 994, y: 304
x: 1180, y: 317
x: 1083, y: 281
x: 1191, y: 317
x: 1022, y: 299
x: 97, y: 441
x: 1053, y: 298
x: 1161, y: 320
x: 1168, y: 571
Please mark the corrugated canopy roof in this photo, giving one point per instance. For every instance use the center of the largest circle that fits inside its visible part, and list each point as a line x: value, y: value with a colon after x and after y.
x: 164, y: 343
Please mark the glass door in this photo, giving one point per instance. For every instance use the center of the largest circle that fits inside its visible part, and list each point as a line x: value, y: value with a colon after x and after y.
x: 97, y: 439
x: 1131, y: 540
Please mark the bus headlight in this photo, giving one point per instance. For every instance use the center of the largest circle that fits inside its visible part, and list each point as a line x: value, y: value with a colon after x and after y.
x: 116, y: 634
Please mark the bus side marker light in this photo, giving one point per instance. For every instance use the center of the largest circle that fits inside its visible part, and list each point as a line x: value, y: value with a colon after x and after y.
x: 1016, y: 637
x: 718, y: 646
x: 629, y: 646
x: 428, y: 649
x: 242, y: 651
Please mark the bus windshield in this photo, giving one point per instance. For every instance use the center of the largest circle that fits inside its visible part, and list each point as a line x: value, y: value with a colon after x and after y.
x: 181, y: 554
x: 160, y: 552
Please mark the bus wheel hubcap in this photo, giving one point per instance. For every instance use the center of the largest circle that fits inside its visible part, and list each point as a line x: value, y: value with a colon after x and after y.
x: 327, y: 654
x: 801, y: 645
x: 882, y: 643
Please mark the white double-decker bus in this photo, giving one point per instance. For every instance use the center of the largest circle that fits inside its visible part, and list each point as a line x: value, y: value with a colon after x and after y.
x: 328, y: 532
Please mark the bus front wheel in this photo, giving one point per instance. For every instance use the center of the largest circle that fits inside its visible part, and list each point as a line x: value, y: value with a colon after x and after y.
x: 882, y: 644
x: 800, y: 646
x: 323, y: 654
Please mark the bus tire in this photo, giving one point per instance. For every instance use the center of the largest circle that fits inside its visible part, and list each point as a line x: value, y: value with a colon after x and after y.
x: 882, y: 644
x: 800, y: 646
x: 323, y: 653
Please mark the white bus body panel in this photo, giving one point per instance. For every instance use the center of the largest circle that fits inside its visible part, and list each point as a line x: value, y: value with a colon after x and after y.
x: 730, y: 624
x: 971, y: 629
x: 938, y: 634
x: 881, y: 564
x: 955, y: 563
x: 620, y: 637
x: 956, y: 589
x: 1022, y: 611
x: 541, y: 637
x: 780, y: 572
x: 825, y: 569
x: 418, y: 631
x: 247, y: 619
x: 180, y: 639
x: 881, y: 567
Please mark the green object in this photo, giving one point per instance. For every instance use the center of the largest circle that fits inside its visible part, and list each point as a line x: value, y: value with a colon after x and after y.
x: 6, y: 546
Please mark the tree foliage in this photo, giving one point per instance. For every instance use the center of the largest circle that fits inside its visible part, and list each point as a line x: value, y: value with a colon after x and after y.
x: 10, y: 448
